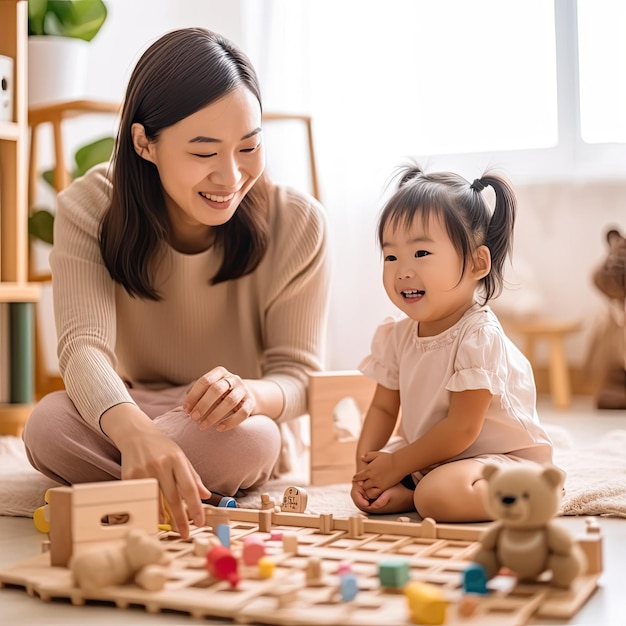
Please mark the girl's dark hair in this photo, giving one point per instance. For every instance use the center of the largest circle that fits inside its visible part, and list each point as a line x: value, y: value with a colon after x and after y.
x: 181, y: 73
x: 463, y: 211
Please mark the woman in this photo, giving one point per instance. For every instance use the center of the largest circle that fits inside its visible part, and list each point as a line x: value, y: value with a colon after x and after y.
x: 190, y: 294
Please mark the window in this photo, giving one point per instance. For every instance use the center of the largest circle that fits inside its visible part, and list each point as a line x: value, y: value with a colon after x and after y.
x: 602, y: 76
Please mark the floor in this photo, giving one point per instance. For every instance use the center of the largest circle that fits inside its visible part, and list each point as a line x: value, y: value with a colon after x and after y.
x: 607, y: 607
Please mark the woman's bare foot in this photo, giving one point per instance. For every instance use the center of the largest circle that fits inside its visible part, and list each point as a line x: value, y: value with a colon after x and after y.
x: 396, y: 499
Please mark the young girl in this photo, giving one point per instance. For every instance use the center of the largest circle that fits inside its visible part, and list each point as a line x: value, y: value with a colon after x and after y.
x: 190, y: 293
x: 466, y: 392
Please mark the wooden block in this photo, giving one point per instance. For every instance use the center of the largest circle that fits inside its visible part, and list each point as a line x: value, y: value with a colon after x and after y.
x: 290, y: 543
x: 393, y: 573
x: 356, y: 526
x: 76, y: 514
x: 328, y: 452
x: 222, y: 565
x: 426, y: 603
x: 253, y: 549
x: 326, y: 523
x: 265, y: 521
x: 429, y: 528
x: 591, y: 544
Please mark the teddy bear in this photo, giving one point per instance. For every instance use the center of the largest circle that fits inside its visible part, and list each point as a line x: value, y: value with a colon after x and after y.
x: 523, y: 500
x: 606, y: 356
x: 138, y: 558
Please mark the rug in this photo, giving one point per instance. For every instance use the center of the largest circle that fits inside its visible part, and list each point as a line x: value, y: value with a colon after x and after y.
x: 595, y: 484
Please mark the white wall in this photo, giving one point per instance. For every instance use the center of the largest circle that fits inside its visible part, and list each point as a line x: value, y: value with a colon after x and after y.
x: 557, y: 242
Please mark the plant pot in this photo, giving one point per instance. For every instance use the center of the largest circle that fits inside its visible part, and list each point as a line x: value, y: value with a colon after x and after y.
x: 57, y: 69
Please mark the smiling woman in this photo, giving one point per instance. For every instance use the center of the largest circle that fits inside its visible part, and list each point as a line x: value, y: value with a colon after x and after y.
x: 190, y: 292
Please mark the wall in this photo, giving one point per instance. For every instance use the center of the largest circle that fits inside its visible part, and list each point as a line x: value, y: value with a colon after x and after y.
x: 560, y: 229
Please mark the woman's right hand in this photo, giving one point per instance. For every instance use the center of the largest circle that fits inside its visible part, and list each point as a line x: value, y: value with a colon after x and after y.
x: 147, y: 453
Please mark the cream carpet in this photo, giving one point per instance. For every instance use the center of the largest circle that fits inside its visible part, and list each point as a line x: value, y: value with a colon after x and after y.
x: 595, y: 484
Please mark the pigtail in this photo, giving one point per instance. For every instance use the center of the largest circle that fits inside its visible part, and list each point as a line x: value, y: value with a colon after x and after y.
x: 499, y: 236
x: 409, y: 173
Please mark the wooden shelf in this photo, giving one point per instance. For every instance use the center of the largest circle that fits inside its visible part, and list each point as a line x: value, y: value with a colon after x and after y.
x: 15, y: 288
x: 20, y: 292
x: 13, y: 417
x: 9, y: 131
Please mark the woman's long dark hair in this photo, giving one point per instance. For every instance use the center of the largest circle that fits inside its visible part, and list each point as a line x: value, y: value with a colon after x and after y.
x: 181, y: 73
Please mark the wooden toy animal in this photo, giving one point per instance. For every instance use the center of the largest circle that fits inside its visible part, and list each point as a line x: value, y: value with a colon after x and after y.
x: 121, y: 563
x: 606, y: 359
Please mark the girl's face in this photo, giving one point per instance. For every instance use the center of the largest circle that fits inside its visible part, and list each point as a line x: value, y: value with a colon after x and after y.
x: 207, y: 163
x: 422, y: 274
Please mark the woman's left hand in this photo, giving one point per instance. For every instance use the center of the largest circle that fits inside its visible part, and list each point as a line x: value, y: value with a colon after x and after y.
x: 219, y: 398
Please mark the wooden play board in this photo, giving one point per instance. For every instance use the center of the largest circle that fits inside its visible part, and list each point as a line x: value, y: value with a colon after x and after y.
x: 437, y: 553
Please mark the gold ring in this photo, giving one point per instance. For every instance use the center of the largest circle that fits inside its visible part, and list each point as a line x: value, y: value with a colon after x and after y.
x: 230, y: 385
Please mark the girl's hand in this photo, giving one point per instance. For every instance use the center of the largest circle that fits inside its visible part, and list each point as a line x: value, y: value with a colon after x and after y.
x: 219, y: 398
x: 358, y: 497
x: 380, y: 473
x: 147, y: 453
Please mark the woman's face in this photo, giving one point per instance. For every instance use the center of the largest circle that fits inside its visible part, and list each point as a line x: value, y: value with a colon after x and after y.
x: 207, y: 163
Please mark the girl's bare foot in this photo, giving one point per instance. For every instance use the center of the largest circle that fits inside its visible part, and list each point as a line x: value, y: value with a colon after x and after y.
x: 396, y: 499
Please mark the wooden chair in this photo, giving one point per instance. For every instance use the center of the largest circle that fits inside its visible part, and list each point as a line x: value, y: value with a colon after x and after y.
x: 56, y: 114
x: 533, y: 329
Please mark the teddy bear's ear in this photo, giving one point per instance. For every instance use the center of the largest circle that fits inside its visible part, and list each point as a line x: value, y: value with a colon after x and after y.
x: 554, y: 475
x: 489, y: 469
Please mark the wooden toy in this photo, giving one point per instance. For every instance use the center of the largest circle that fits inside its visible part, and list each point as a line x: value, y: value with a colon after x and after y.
x: 253, y: 549
x: 295, y: 500
x: 115, y: 564
x: 217, y: 499
x: 427, y: 603
x: 348, y: 587
x: 523, y: 499
x: 475, y: 579
x: 223, y: 565
x: 332, y: 453
x: 305, y: 588
x: 78, y: 514
x: 268, y: 503
x: 41, y: 516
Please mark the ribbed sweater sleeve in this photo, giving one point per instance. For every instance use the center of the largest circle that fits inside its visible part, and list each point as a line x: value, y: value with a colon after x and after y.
x: 84, y: 301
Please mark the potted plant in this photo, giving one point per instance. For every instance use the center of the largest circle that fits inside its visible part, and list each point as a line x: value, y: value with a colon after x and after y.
x: 59, y: 33
x: 41, y: 221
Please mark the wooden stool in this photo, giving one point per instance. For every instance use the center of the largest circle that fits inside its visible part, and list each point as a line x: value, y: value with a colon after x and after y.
x: 554, y: 331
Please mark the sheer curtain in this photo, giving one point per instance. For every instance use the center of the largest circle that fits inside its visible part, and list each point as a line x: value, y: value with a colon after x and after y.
x: 456, y: 85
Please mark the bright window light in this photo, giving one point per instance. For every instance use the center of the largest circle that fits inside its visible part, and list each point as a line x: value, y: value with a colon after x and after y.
x: 449, y: 76
x: 602, y: 70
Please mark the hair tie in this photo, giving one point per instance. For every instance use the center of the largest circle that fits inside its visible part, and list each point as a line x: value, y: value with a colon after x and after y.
x: 478, y: 185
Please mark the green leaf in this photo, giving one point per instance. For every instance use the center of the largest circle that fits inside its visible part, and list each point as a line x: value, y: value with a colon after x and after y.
x: 48, y: 176
x: 41, y: 225
x: 81, y: 19
x: 98, y: 151
x: 36, y: 13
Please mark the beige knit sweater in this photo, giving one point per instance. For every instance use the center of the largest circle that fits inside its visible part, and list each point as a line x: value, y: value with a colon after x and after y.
x: 270, y: 324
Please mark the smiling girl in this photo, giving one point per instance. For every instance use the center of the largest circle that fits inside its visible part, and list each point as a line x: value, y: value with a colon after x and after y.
x: 465, y: 392
x: 190, y: 294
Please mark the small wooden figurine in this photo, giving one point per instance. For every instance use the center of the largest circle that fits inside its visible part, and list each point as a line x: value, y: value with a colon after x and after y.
x: 118, y: 564
x: 294, y: 500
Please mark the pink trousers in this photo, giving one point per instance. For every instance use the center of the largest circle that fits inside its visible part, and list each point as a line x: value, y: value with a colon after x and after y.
x: 62, y: 446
